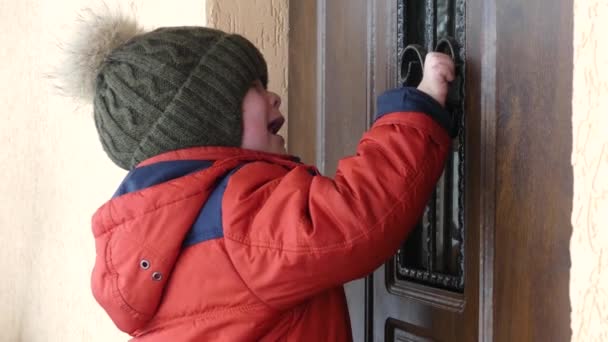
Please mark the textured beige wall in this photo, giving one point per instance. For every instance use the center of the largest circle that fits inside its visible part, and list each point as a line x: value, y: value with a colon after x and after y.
x: 54, y: 175
x: 266, y: 24
x: 589, y: 244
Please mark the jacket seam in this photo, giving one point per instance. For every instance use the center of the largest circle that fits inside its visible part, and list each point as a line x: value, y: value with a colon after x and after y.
x: 199, y: 316
x: 371, y: 144
x: 115, y: 288
x: 234, y: 266
x: 245, y: 283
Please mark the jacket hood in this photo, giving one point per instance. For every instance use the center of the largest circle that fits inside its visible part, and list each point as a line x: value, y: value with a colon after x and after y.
x: 140, y: 233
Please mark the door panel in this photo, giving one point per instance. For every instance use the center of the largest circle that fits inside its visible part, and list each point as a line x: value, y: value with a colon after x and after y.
x: 489, y: 260
x: 420, y: 294
x: 434, y: 252
x: 533, y: 171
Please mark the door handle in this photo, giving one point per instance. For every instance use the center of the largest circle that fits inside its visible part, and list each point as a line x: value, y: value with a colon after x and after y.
x: 412, y: 70
x: 448, y: 46
x: 412, y: 60
x: 412, y: 65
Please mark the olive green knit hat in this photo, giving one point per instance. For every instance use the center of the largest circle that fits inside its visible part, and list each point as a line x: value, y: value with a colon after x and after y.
x: 172, y: 88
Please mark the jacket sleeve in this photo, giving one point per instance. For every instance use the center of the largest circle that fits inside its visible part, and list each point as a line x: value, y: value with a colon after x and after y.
x: 291, y: 235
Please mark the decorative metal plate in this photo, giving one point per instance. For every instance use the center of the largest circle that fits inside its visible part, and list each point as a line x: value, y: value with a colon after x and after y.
x: 433, y: 254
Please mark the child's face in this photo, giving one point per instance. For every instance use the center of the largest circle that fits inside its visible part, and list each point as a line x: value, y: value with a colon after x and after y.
x: 262, y: 119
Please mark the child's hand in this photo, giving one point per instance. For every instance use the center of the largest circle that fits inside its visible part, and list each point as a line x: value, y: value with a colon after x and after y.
x: 438, y: 71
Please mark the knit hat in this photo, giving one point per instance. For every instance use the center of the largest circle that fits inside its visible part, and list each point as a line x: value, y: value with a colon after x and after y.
x: 172, y: 88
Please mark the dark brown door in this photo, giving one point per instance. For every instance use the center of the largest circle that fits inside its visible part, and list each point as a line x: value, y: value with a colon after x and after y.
x: 489, y: 260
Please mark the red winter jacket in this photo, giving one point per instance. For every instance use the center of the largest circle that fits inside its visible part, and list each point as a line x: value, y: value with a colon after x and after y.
x: 225, y: 244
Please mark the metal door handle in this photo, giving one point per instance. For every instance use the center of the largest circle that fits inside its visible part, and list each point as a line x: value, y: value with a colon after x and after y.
x: 412, y: 65
x: 412, y: 70
x: 449, y: 46
x: 412, y: 60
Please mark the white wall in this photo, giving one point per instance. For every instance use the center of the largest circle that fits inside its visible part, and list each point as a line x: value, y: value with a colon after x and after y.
x: 589, y: 244
x: 54, y: 175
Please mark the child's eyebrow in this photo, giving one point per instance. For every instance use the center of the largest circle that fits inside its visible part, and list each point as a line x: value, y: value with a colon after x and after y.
x: 258, y: 83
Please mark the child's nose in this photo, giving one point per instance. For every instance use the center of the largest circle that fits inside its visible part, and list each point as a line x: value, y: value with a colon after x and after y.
x: 275, y: 99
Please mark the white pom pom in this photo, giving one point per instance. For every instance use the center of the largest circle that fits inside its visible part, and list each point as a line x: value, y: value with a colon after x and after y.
x: 98, y: 34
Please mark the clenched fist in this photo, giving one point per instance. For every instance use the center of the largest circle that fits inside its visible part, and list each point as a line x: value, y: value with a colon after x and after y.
x: 438, y: 72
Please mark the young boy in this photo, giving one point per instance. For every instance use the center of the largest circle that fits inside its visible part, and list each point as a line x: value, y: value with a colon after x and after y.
x: 216, y: 234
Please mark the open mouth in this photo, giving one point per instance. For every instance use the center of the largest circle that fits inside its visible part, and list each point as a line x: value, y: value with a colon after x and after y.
x: 275, y: 125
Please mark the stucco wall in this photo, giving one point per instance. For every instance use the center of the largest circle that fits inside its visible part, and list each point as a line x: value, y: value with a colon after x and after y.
x: 54, y: 175
x: 589, y: 244
x: 266, y: 24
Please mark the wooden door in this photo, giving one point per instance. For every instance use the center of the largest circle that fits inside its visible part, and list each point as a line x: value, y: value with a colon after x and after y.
x: 489, y: 260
